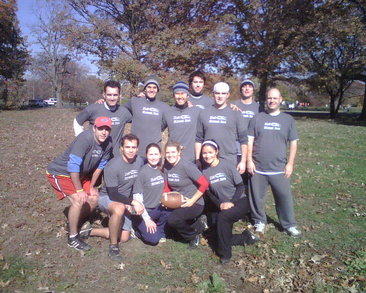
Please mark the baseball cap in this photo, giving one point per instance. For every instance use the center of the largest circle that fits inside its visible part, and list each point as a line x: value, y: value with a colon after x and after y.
x: 247, y: 81
x: 103, y: 121
x: 181, y: 86
x: 221, y: 87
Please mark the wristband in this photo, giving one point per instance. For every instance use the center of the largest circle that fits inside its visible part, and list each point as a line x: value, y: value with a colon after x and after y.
x: 80, y: 190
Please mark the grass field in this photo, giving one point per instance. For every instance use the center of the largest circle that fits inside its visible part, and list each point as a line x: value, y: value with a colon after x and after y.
x: 329, y: 187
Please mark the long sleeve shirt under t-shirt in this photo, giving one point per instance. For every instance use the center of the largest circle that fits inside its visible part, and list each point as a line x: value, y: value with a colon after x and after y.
x: 84, y: 155
x: 119, y: 177
x: 119, y: 116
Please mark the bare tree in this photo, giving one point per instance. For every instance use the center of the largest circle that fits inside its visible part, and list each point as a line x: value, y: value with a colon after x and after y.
x: 53, y: 19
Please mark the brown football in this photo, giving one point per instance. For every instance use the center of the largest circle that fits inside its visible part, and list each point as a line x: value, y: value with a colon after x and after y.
x: 172, y: 199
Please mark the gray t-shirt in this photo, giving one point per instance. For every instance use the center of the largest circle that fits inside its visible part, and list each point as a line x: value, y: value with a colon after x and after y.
x: 225, y: 126
x: 183, y: 178
x: 271, y: 136
x: 119, y: 116
x: 248, y: 110
x: 222, y: 179
x: 201, y: 102
x: 182, y: 126
x: 147, y: 121
x: 149, y: 183
x: 121, y: 174
x: 84, y: 155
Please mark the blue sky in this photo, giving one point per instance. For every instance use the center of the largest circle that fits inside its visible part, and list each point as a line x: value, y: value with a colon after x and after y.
x: 27, y: 18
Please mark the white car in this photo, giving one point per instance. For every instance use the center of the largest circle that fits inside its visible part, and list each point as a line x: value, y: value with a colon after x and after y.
x: 51, y: 101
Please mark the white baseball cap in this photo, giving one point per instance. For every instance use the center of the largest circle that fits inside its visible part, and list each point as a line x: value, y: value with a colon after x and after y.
x: 221, y: 87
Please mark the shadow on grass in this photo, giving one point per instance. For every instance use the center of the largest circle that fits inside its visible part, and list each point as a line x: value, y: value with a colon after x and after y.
x: 349, y: 119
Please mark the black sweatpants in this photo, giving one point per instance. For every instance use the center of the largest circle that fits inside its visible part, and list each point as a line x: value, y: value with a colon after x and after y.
x: 225, y: 222
x: 182, y: 220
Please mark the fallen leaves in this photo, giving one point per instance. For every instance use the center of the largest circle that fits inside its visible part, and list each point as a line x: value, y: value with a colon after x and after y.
x: 317, y: 258
x: 165, y: 265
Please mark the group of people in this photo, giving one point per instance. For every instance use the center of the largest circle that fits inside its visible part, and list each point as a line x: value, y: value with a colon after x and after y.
x: 220, y: 156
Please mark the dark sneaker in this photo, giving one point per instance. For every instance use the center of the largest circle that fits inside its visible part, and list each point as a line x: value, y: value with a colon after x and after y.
x: 77, y: 243
x: 249, y: 237
x: 224, y: 261
x: 194, y: 242
x: 114, y: 253
x: 203, y: 222
x: 85, y: 230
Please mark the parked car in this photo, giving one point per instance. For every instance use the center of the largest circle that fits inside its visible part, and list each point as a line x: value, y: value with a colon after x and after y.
x: 36, y: 103
x: 51, y: 102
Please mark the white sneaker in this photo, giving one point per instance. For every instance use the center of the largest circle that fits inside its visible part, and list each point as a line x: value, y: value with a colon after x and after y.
x: 259, y: 227
x: 293, y: 231
x: 132, y: 234
x: 162, y: 240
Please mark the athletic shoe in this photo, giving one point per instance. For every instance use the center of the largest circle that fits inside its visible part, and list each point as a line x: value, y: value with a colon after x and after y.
x: 203, y: 223
x: 259, y: 227
x: 78, y: 244
x: 194, y: 242
x: 114, y: 253
x: 224, y: 261
x: 249, y: 237
x: 132, y: 234
x: 85, y: 230
x: 293, y: 231
x: 162, y: 240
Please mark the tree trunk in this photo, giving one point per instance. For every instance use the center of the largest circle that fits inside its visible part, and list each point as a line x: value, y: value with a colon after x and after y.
x: 263, y: 90
x: 332, y: 108
x: 363, y: 112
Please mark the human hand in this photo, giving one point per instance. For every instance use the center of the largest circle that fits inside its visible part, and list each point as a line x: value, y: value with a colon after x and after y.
x: 100, y: 101
x: 188, y: 202
x: 139, y: 208
x: 288, y: 170
x: 251, y: 167
x: 226, y: 205
x: 94, y: 191
x: 241, y: 167
x: 235, y: 107
x: 82, y: 196
x: 150, y: 226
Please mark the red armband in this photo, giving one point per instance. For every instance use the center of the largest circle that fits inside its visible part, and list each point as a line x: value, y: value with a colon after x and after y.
x: 166, y: 187
x: 203, y: 183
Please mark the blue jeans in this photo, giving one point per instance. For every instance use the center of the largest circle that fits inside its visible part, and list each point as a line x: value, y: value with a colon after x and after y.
x: 160, y: 216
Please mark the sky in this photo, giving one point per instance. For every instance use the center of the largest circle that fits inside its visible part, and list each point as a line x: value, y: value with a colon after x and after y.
x: 27, y: 18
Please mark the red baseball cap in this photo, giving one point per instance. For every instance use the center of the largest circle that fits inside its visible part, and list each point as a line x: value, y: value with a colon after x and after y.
x: 103, y: 121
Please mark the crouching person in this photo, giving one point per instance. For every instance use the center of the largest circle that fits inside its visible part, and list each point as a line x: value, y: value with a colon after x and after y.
x: 226, y: 191
x: 74, y: 174
x: 115, y: 196
x: 148, y: 188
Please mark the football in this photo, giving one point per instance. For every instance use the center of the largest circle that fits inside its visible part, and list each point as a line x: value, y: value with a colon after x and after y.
x: 172, y: 199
